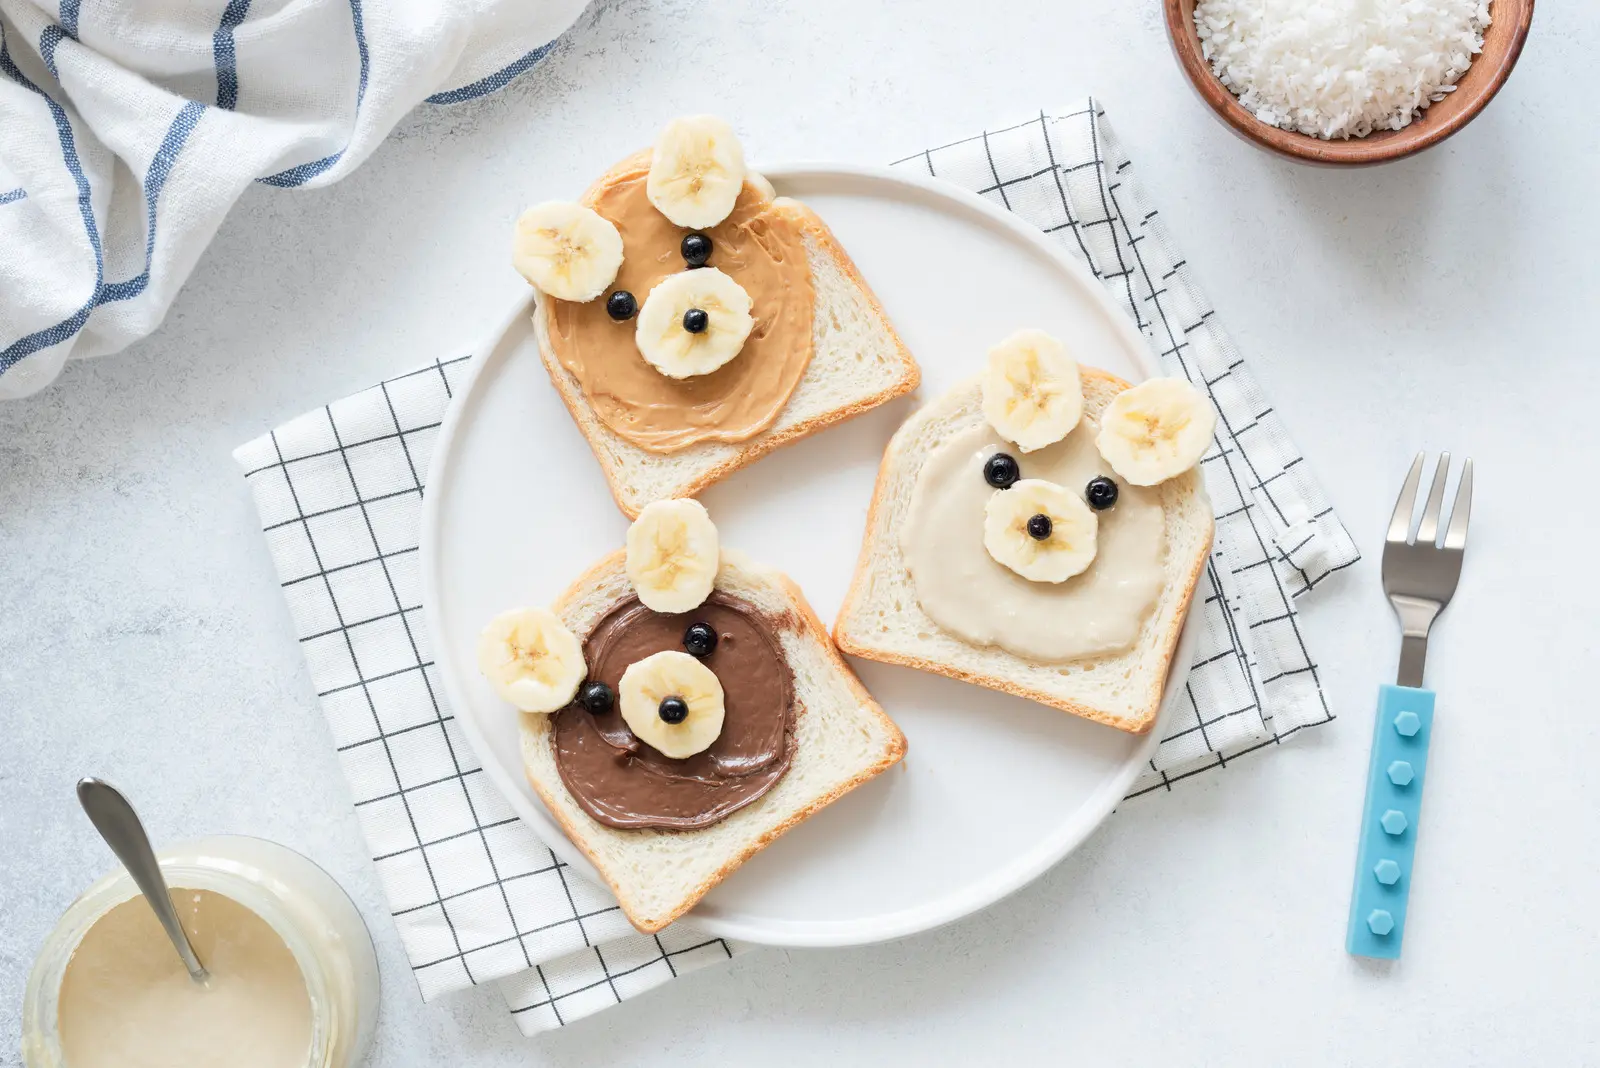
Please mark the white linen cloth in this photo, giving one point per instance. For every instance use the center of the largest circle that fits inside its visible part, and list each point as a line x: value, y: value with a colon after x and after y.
x: 477, y: 897
x: 128, y: 128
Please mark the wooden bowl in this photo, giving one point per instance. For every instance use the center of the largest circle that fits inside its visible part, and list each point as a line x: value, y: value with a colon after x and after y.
x: 1508, y: 29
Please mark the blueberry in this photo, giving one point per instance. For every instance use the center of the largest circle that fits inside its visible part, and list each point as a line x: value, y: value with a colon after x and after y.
x: 620, y: 305
x: 696, y: 249
x: 673, y: 710
x: 1039, y: 527
x: 1001, y: 470
x: 700, y: 639
x: 1101, y: 493
x: 595, y: 697
x: 695, y: 321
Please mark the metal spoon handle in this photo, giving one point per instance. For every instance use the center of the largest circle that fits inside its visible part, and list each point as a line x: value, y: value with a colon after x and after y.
x: 119, y: 825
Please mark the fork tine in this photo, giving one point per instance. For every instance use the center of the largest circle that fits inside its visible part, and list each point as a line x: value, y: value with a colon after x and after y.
x: 1428, y: 529
x: 1400, y: 522
x: 1455, y: 536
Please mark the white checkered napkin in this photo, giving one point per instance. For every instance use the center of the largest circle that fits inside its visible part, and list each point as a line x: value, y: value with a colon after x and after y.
x: 475, y: 894
x: 1253, y: 682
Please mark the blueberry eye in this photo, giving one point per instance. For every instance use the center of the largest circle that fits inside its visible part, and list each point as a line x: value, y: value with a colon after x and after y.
x: 1001, y: 470
x: 1039, y: 527
x: 700, y: 639
x: 695, y: 320
x: 596, y: 697
x: 696, y: 249
x: 1101, y: 493
x: 621, y: 305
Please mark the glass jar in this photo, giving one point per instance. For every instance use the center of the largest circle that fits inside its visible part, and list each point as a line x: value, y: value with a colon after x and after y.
x: 300, y: 901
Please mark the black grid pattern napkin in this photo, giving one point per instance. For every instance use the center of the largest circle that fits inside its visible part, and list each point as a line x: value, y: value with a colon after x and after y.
x: 476, y: 896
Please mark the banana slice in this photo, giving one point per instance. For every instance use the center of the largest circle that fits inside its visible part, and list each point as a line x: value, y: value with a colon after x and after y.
x: 1032, y: 394
x: 673, y: 702
x: 673, y: 555
x: 531, y: 659
x: 569, y: 251
x: 1157, y: 429
x: 1040, y: 530
x: 696, y: 171
x: 693, y: 322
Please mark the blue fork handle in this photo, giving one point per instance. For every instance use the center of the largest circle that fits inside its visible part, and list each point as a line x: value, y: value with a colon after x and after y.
x: 1389, y: 822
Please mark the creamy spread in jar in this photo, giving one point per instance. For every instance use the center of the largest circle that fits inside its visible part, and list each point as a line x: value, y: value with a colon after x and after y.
x: 761, y: 246
x: 965, y: 591
x: 294, y: 979
x: 127, y: 1001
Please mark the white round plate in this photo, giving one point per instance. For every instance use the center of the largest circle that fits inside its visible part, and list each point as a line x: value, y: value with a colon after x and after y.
x: 993, y: 789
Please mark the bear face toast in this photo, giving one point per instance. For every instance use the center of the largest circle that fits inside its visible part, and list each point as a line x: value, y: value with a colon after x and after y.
x: 680, y: 708
x: 692, y: 320
x: 1039, y: 530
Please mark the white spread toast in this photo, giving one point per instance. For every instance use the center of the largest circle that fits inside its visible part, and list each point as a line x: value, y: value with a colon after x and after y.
x: 1096, y: 643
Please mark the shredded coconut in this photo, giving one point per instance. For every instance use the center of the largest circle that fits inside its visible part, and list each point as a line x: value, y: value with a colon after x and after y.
x: 1340, y: 68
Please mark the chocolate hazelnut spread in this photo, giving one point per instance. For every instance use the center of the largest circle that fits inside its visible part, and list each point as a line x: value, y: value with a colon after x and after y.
x: 623, y: 782
x: 761, y: 247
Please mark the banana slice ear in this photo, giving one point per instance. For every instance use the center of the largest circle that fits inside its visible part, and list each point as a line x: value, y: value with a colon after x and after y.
x: 569, y: 251
x: 1156, y: 430
x: 1032, y: 392
x: 696, y: 171
x: 531, y: 659
x: 673, y: 555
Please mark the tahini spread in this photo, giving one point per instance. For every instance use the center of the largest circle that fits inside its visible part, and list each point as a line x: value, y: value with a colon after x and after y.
x: 762, y: 249
x: 965, y: 591
x: 127, y: 1001
x: 623, y: 782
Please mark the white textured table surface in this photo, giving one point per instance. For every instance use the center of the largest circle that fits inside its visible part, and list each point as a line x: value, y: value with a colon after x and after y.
x: 1440, y: 302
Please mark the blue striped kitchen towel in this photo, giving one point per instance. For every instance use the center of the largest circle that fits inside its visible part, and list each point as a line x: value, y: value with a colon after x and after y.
x: 129, y: 130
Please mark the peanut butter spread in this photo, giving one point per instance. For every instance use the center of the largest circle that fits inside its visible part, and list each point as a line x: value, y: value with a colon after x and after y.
x: 762, y: 249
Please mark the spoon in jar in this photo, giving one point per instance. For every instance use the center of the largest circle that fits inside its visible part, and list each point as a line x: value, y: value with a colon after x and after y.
x: 119, y: 825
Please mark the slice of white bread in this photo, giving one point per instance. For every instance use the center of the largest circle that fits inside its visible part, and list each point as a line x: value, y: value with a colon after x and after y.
x: 882, y: 620
x: 842, y: 739
x: 858, y: 362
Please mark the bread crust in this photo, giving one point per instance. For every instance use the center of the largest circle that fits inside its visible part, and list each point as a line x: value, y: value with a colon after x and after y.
x: 763, y: 442
x: 807, y: 623
x: 871, y: 552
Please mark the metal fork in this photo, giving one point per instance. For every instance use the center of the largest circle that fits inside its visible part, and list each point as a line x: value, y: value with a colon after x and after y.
x: 1420, y: 576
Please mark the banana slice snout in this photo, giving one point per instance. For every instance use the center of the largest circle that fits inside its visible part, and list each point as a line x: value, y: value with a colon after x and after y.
x: 672, y: 702
x: 693, y: 322
x: 1156, y: 430
x: 1032, y: 392
x: 673, y: 555
x: 569, y: 251
x: 531, y: 659
x: 1040, y: 530
x: 696, y: 171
